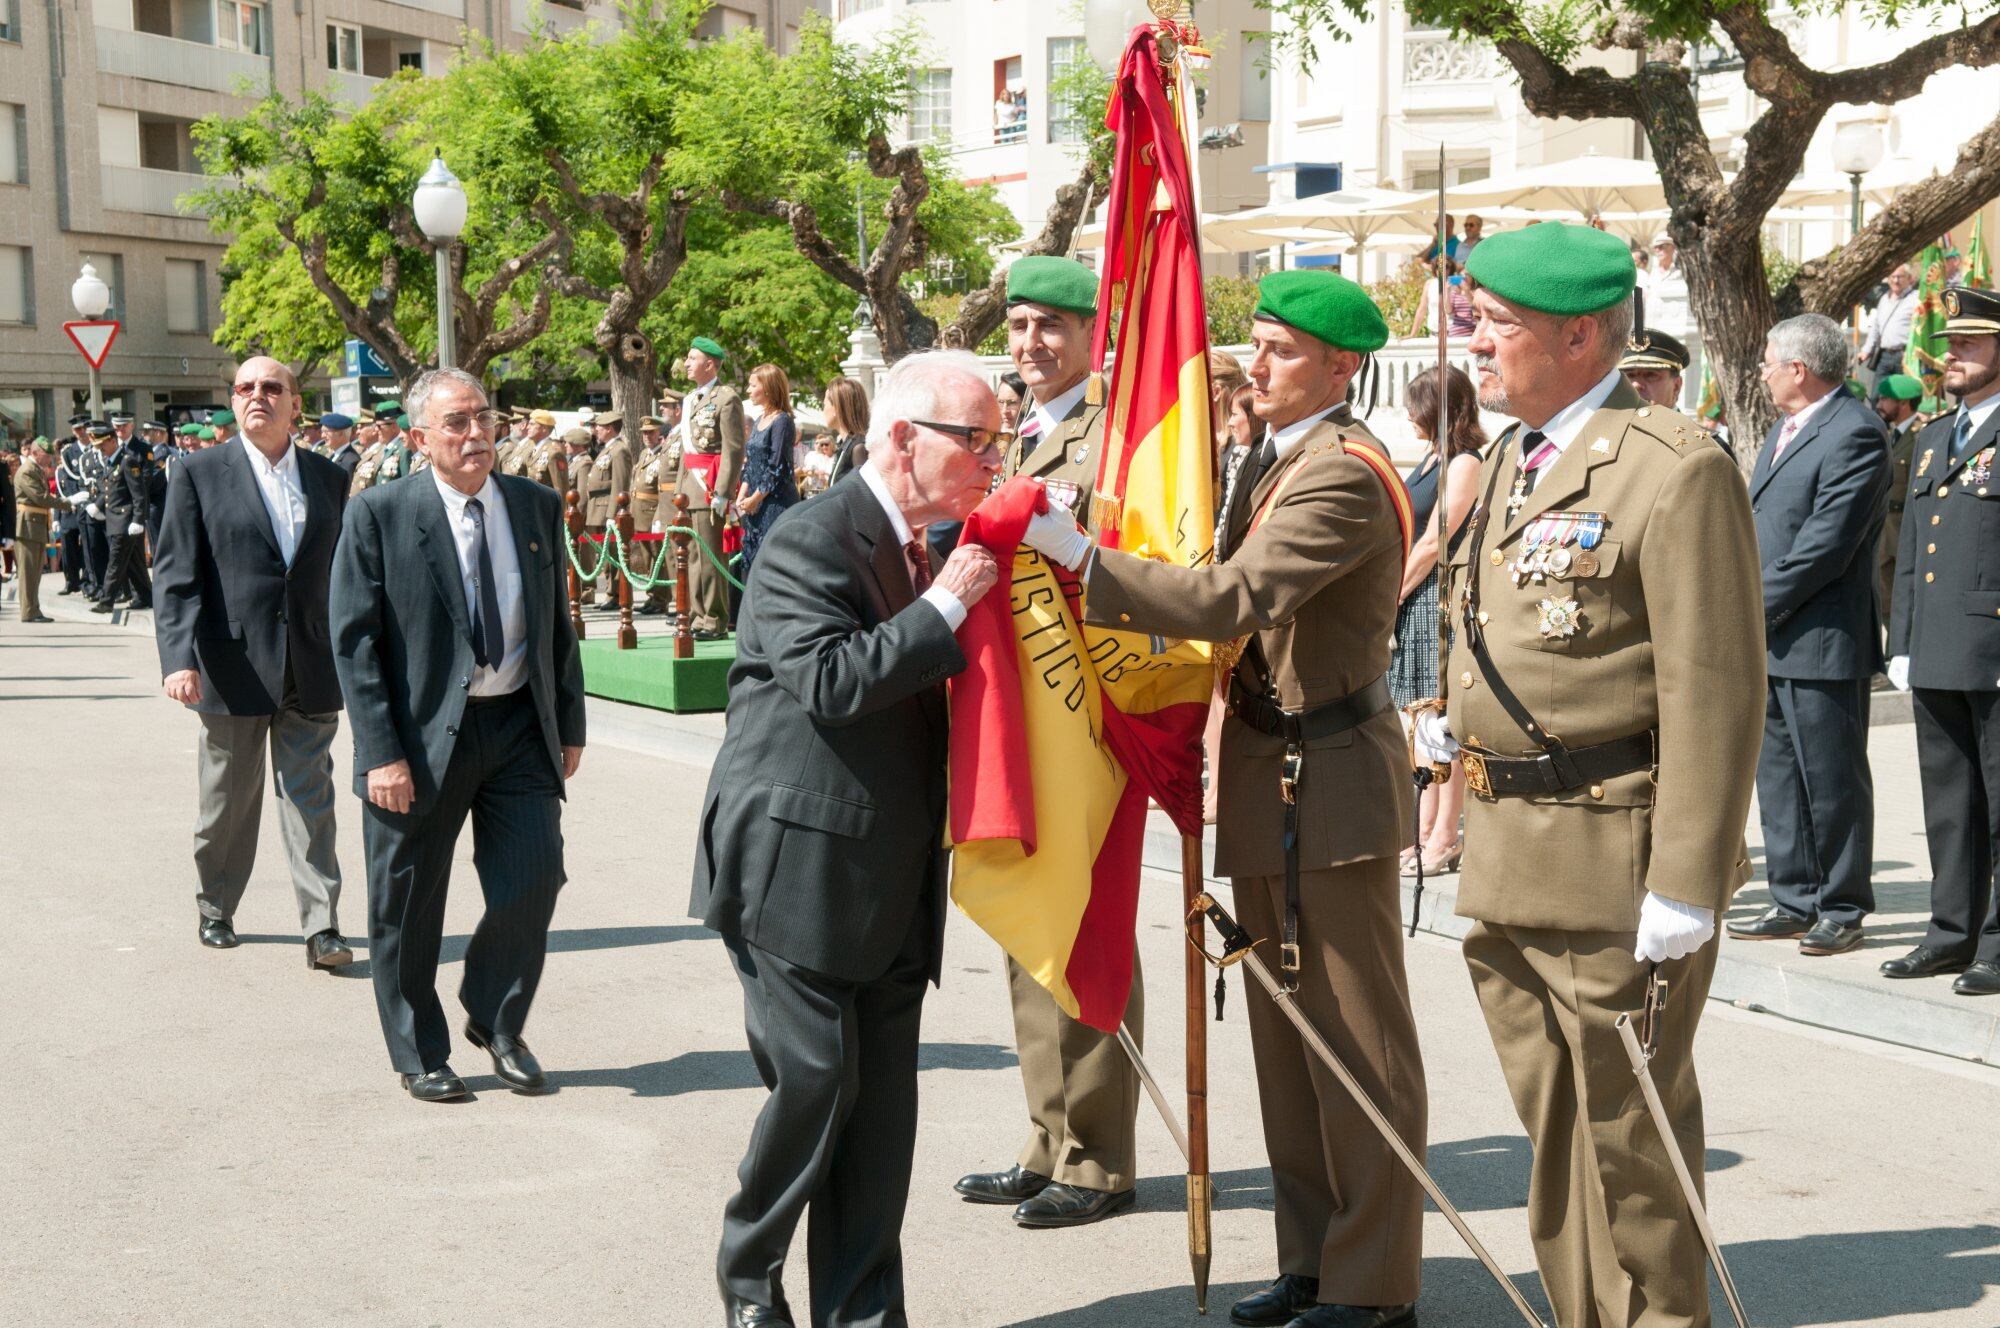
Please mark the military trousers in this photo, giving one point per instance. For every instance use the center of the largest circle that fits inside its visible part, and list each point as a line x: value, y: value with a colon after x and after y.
x: 1613, y: 1237
x: 30, y: 547
x: 1958, y: 760
x: 708, y: 590
x: 125, y: 571
x: 1083, y: 1090
x: 1348, y: 1213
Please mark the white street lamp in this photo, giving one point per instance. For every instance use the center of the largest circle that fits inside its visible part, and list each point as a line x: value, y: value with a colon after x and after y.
x: 440, y: 207
x: 92, y: 298
x: 1857, y: 150
x: 1106, y: 25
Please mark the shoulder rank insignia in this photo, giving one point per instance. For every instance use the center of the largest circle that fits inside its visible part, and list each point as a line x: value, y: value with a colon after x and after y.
x: 1925, y: 463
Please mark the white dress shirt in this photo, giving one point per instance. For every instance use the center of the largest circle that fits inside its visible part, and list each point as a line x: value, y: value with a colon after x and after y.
x: 1890, y: 325
x: 1562, y: 427
x: 1047, y: 417
x: 284, y: 499
x: 937, y: 597
x: 1978, y: 415
x: 512, y: 673
x: 1285, y: 441
x: 1796, y: 422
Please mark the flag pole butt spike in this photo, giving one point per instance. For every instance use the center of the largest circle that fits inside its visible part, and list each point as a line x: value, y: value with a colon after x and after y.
x: 1201, y: 1204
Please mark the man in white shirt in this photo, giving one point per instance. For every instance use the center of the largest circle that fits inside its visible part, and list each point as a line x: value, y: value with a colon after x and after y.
x: 452, y: 636
x: 1889, y: 326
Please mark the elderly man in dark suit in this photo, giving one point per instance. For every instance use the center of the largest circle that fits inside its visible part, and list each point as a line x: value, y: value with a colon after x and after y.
x: 452, y: 636
x: 1820, y: 491
x: 821, y: 857
x: 239, y: 603
x: 337, y: 438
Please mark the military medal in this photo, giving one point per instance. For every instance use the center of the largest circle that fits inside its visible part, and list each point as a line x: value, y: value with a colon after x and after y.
x: 1980, y: 469
x: 1558, y: 617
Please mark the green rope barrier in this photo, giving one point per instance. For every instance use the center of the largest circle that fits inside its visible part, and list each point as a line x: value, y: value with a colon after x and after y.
x: 612, y: 551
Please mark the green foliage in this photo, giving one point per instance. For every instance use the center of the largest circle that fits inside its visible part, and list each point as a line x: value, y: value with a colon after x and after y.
x: 1399, y: 295
x: 1779, y: 270
x: 942, y: 306
x: 1230, y: 301
x: 750, y: 289
x: 270, y: 306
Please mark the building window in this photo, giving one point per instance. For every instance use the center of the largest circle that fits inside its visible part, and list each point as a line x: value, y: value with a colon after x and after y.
x: 410, y: 60
x: 1066, y: 57
x: 849, y: 8
x: 13, y: 144
x: 930, y: 105
x: 343, y: 48
x: 111, y: 271
x: 240, y: 26
x: 1010, y: 102
x: 1254, y: 51
x: 187, y: 295
x: 17, y: 291
x: 10, y: 20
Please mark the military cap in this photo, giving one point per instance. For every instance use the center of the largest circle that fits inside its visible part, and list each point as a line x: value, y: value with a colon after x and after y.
x: 1900, y: 387
x: 43, y: 444
x: 1971, y: 312
x: 82, y: 417
x: 206, y: 433
x: 402, y: 420
x: 335, y: 420
x: 576, y: 437
x: 1059, y: 283
x: 586, y: 417
x: 221, y: 419
x: 1324, y: 305
x: 710, y: 347
x: 653, y: 422
x: 189, y: 430
x: 542, y: 417
x: 308, y: 421
x: 120, y: 417
x: 668, y: 394
x: 610, y: 419
x: 98, y: 429
x: 152, y: 426
x: 364, y: 416
x: 384, y: 409
x: 1555, y: 267
x: 1653, y: 349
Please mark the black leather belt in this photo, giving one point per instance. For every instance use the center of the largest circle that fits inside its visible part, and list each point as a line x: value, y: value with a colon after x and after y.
x: 1322, y: 721
x: 1491, y: 776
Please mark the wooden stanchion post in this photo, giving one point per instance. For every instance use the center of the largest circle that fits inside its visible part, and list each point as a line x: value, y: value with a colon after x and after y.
x: 683, y: 612
x: 628, y: 635
x: 573, y: 521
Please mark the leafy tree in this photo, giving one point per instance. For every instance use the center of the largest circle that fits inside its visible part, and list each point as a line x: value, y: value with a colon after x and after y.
x: 1717, y: 221
x: 270, y: 305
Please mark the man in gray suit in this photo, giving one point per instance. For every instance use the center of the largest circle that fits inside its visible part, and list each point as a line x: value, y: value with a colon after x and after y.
x: 821, y: 855
x: 452, y: 638
x: 240, y: 586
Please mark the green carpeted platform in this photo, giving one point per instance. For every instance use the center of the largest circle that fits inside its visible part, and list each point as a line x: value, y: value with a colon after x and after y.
x: 651, y: 676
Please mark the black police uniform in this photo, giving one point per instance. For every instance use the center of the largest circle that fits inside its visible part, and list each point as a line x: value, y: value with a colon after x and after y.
x: 73, y: 481
x: 163, y: 455
x: 127, y: 480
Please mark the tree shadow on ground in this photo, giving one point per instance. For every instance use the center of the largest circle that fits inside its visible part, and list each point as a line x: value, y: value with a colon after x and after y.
x: 567, y: 941
x: 721, y: 1071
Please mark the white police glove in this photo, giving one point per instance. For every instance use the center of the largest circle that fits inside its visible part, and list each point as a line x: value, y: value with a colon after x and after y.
x: 135, y: 529
x: 718, y: 505
x: 1669, y: 929
x: 96, y: 514
x: 1057, y: 537
x: 658, y: 528
x: 1434, y: 741
x: 1899, y: 673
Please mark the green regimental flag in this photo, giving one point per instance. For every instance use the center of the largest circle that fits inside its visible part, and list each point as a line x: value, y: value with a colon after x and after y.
x: 1711, y: 392
x: 1978, y: 262
x: 1923, y: 358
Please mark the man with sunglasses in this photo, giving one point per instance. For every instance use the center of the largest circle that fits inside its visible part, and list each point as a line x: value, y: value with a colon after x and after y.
x: 240, y: 596
x: 1079, y: 1163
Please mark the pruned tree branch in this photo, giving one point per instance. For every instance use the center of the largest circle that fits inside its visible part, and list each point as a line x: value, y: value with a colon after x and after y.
x: 1904, y: 75
x: 983, y: 310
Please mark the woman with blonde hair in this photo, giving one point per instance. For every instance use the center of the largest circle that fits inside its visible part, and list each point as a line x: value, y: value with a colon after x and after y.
x: 767, y: 487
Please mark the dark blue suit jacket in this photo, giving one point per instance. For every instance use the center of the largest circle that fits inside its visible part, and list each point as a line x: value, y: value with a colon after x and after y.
x: 402, y: 636
x: 1819, y: 513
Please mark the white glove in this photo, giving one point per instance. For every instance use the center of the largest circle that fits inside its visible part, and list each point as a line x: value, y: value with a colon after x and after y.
x: 135, y: 529
x: 1899, y: 673
x: 1434, y: 741
x: 6, y: 544
x: 95, y: 513
x: 1056, y: 536
x: 1669, y: 929
x: 718, y: 505
x: 658, y: 529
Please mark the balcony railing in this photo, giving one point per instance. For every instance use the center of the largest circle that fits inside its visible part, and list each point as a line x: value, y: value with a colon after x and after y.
x: 171, y: 60
x: 354, y: 89
x: 449, y: 8
x: 140, y: 189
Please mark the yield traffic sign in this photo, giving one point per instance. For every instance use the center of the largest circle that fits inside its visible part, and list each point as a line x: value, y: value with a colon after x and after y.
x: 93, y: 338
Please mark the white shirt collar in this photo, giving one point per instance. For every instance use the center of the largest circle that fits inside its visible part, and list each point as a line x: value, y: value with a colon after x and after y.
x: 455, y: 500
x: 1055, y: 412
x: 1562, y: 427
x: 1798, y: 418
x: 1285, y: 439
x: 873, y: 479
x: 286, y: 464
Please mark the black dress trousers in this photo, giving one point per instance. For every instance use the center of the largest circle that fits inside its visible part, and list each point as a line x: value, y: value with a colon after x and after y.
x: 1958, y: 757
x: 1817, y: 798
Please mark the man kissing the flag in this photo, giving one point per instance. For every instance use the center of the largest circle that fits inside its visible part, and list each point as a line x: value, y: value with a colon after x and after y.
x: 1314, y: 790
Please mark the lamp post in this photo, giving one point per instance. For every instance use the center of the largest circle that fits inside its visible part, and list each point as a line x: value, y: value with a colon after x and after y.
x: 1857, y: 150
x: 440, y: 207
x: 92, y: 298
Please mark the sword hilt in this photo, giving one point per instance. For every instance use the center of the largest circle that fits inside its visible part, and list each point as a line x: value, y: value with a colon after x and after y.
x: 1236, y: 942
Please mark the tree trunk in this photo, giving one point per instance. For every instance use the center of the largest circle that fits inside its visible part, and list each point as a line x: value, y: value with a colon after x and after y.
x: 629, y: 362
x: 1732, y: 305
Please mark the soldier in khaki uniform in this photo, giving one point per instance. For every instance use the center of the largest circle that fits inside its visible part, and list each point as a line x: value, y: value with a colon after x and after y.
x: 610, y: 475
x: 1310, y: 572
x: 1897, y: 400
x: 646, y: 559
x: 712, y: 438
x: 34, y: 508
x: 541, y: 453
x: 1606, y: 593
x: 1080, y: 1161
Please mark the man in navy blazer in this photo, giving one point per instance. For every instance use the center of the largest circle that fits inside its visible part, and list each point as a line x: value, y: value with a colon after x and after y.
x: 1820, y: 491
x: 239, y: 607
x: 465, y: 693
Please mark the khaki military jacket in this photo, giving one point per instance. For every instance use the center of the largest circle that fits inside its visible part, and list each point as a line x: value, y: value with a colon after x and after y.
x: 714, y: 426
x: 646, y: 487
x: 365, y: 470
x: 1317, y: 581
x: 1066, y: 458
x: 35, y: 505
x: 544, y: 463
x: 1668, y: 634
x: 513, y: 456
x: 610, y: 475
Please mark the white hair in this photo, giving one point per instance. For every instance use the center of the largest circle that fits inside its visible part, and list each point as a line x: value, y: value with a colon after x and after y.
x: 418, y: 399
x: 1815, y: 341
x: 915, y: 386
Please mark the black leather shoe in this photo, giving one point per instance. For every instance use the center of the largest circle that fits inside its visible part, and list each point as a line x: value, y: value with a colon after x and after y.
x: 145, y: 604
x: 104, y: 606
x: 1828, y: 937
x: 742, y: 1314
x: 701, y: 634
x: 1922, y: 962
x: 1071, y: 1206
x: 1774, y: 924
x: 327, y: 950
x: 39, y: 618
x: 439, y: 1085
x: 1277, y: 1304
x: 217, y: 934
x: 67, y: 590
x: 1011, y: 1186
x: 512, y: 1060
x: 1981, y: 979
x: 1357, y: 1316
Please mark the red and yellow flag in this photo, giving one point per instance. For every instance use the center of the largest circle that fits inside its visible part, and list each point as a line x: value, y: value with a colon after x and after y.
x: 1061, y: 733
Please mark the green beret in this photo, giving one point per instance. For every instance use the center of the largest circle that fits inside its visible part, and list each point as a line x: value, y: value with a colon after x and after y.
x: 387, y: 408
x: 221, y: 419
x: 43, y: 443
x: 1059, y: 283
x: 206, y: 434
x: 1555, y: 267
x: 189, y: 430
x: 1325, y: 305
x: 709, y: 347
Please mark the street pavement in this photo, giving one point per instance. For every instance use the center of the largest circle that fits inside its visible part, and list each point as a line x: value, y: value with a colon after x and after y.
x: 215, y: 1138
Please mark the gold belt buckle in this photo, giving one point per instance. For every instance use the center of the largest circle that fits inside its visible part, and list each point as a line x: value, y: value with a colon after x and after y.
x: 1475, y: 773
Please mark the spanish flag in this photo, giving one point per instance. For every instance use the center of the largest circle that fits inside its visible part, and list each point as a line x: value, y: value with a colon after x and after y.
x: 1061, y: 733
